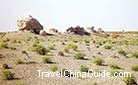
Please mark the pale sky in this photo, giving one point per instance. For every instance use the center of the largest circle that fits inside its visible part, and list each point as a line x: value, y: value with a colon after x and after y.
x: 111, y: 15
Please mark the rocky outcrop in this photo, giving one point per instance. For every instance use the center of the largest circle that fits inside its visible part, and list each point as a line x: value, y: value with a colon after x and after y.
x: 42, y: 33
x: 100, y: 30
x: 77, y: 30
x: 91, y: 29
x: 29, y: 24
x: 53, y: 31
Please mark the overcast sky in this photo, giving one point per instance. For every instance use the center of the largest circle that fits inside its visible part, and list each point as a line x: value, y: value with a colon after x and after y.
x: 111, y: 15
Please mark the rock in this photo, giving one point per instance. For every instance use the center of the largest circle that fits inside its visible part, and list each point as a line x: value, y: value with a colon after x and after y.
x: 53, y: 31
x: 29, y: 24
x: 77, y: 30
x: 99, y: 30
x: 42, y: 33
x: 91, y: 29
x: 5, y: 66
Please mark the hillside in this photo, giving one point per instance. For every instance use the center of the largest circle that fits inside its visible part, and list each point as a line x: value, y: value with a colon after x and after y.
x: 24, y: 53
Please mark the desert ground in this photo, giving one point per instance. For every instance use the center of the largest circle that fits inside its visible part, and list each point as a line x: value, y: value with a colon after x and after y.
x: 118, y: 53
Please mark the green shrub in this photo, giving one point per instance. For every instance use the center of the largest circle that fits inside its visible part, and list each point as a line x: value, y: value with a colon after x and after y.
x: 107, y: 46
x: 72, y: 46
x: 46, y: 59
x: 39, y: 49
x: 60, y: 53
x: 100, y: 41
x: 98, y: 61
x: 51, y: 47
x: 3, y: 44
x: 122, y: 52
x: 66, y: 49
x: 134, y: 68
x: 130, y: 80
x: 84, y: 68
x: 19, y: 83
x: 114, y: 73
x: 135, y: 55
x: 53, y: 68
x: 18, y: 61
x: 91, y: 83
x: 79, y: 55
x: 86, y: 41
x: 7, y: 75
x: 114, y: 66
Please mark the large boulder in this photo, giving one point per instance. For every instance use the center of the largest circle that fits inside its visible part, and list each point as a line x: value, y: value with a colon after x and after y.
x: 77, y: 30
x: 42, y: 33
x: 29, y: 24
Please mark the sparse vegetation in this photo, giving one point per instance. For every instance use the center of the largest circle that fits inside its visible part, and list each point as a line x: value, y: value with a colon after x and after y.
x: 130, y: 80
x: 72, y: 46
x: 91, y: 83
x: 134, y: 67
x: 114, y: 66
x: 66, y: 49
x: 122, y: 52
x: 84, y: 68
x: 79, y: 55
x: 18, y: 61
x: 7, y: 75
x: 3, y: 44
x: 53, y: 68
x: 39, y: 49
x: 135, y: 55
x: 46, y: 59
x: 60, y: 53
x: 114, y: 73
x: 98, y: 60
x: 50, y: 47
x: 19, y: 83
x: 107, y: 46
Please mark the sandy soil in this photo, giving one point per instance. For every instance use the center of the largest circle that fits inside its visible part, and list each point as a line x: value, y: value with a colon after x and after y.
x: 27, y: 73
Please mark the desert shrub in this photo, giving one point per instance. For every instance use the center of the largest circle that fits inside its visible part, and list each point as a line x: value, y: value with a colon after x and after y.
x: 107, y: 46
x: 18, y: 61
x: 91, y: 83
x: 46, y: 59
x: 50, y: 47
x: 114, y: 66
x: 130, y: 80
x: 134, y: 67
x: 12, y: 48
x: 73, y: 40
x: 86, y: 41
x: 135, y: 55
x: 14, y: 41
x: 122, y: 52
x: 79, y: 55
x: 39, y: 49
x: 98, y: 60
x: 100, y: 41
x: 113, y: 41
x: 97, y: 69
x: 3, y: 44
x: 72, y: 46
x: 66, y: 49
x: 53, y: 68
x: 84, y: 68
x: 60, y: 53
x: 134, y: 42
x: 7, y: 75
x: 19, y: 83
x: 114, y: 72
